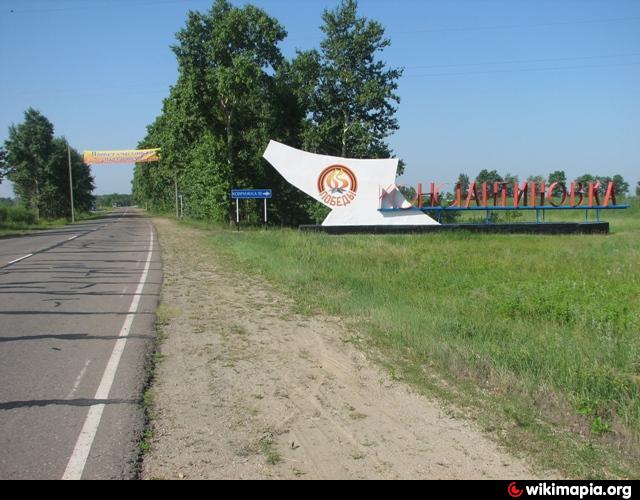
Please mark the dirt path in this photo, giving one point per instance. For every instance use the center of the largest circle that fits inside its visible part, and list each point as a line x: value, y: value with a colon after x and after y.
x: 248, y: 389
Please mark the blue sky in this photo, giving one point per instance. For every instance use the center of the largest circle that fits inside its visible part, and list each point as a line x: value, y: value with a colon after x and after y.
x: 525, y: 87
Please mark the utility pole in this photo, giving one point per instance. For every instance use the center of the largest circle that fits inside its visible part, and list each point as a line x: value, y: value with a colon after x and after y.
x: 37, y: 207
x: 73, y: 214
x: 175, y: 180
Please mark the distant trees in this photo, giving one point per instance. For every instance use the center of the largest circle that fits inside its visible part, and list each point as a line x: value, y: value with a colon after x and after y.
x: 488, y: 176
x: 510, y: 180
x: 585, y: 179
x: 538, y: 179
x: 621, y: 186
x: 638, y: 189
x: 120, y: 200
x: 39, y: 168
x: 463, y: 181
x: 491, y: 176
x: 558, y: 176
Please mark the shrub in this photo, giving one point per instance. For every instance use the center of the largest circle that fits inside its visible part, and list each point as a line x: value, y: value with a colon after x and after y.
x: 17, y: 216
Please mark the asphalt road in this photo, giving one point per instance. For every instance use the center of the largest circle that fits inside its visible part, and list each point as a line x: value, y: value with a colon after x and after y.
x: 76, y: 331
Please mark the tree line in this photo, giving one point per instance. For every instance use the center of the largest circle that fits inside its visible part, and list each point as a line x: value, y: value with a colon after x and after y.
x: 559, y: 176
x: 236, y: 91
x: 114, y: 200
x: 37, y: 163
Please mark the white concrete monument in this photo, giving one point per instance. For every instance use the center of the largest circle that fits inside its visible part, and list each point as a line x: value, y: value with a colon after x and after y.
x: 353, y: 189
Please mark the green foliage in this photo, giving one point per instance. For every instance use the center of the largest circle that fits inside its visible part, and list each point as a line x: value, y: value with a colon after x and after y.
x: 585, y: 179
x: 16, y: 216
x: 352, y: 107
x: 40, y: 168
x: 600, y: 426
x: 510, y: 180
x: 538, y: 179
x: 463, y: 181
x: 233, y: 94
x: 621, y: 186
x: 109, y: 200
x: 489, y: 177
x: 54, y: 197
x: 29, y: 148
x: 514, y: 315
x: 317, y: 210
x: 558, y: 176
x: 446, y: 199
x: 235, y: 91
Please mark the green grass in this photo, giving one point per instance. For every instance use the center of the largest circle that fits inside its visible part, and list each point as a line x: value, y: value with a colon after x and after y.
x: 19, y: 225
x: 536, y: 336
x: 16, y: 229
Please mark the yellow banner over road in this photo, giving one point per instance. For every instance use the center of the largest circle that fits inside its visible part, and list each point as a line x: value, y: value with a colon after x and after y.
x: 121, y: 156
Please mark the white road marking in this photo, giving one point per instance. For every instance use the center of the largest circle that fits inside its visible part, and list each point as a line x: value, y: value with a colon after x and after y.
x: 21, y: 258
x: 73, y: 237
x: 78, y: 380
x: 80, y: 454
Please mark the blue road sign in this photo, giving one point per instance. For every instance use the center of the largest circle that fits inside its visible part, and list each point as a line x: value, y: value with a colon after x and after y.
x: 245, y: 194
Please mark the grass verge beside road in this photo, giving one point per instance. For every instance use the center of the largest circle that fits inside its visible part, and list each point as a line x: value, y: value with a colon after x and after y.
x: 22, y: 226
x: 536, y: 336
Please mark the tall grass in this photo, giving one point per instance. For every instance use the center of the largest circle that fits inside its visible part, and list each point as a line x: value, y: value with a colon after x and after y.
x: 552, y: 321
x: 12, y: 216
x: 16, y: 220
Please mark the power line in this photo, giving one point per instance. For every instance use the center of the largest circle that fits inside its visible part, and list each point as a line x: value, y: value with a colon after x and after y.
x: 426, y: 30
x: 515, y: 26
x: 523, y: 70
x: 109, y: 5
x: 500, y: 27
x: 522, y: 61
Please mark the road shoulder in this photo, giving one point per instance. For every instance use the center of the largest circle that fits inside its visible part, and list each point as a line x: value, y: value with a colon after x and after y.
x: 248, y: 389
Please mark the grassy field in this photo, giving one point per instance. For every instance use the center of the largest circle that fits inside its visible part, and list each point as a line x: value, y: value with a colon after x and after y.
x: 536, y: 337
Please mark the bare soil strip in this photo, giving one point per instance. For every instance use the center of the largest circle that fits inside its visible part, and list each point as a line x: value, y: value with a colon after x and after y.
x: 247, y: 389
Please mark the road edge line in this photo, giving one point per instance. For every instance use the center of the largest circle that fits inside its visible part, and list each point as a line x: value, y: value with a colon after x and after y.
x: 78, y: 460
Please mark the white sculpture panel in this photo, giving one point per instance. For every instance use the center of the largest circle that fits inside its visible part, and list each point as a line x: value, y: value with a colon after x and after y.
x: 350, y: 187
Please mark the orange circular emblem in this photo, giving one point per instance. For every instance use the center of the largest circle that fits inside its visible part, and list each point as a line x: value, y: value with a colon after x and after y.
x: 337, y: 185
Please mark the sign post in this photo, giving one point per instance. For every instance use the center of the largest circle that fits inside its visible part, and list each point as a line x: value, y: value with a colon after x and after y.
x: 250, y: 194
